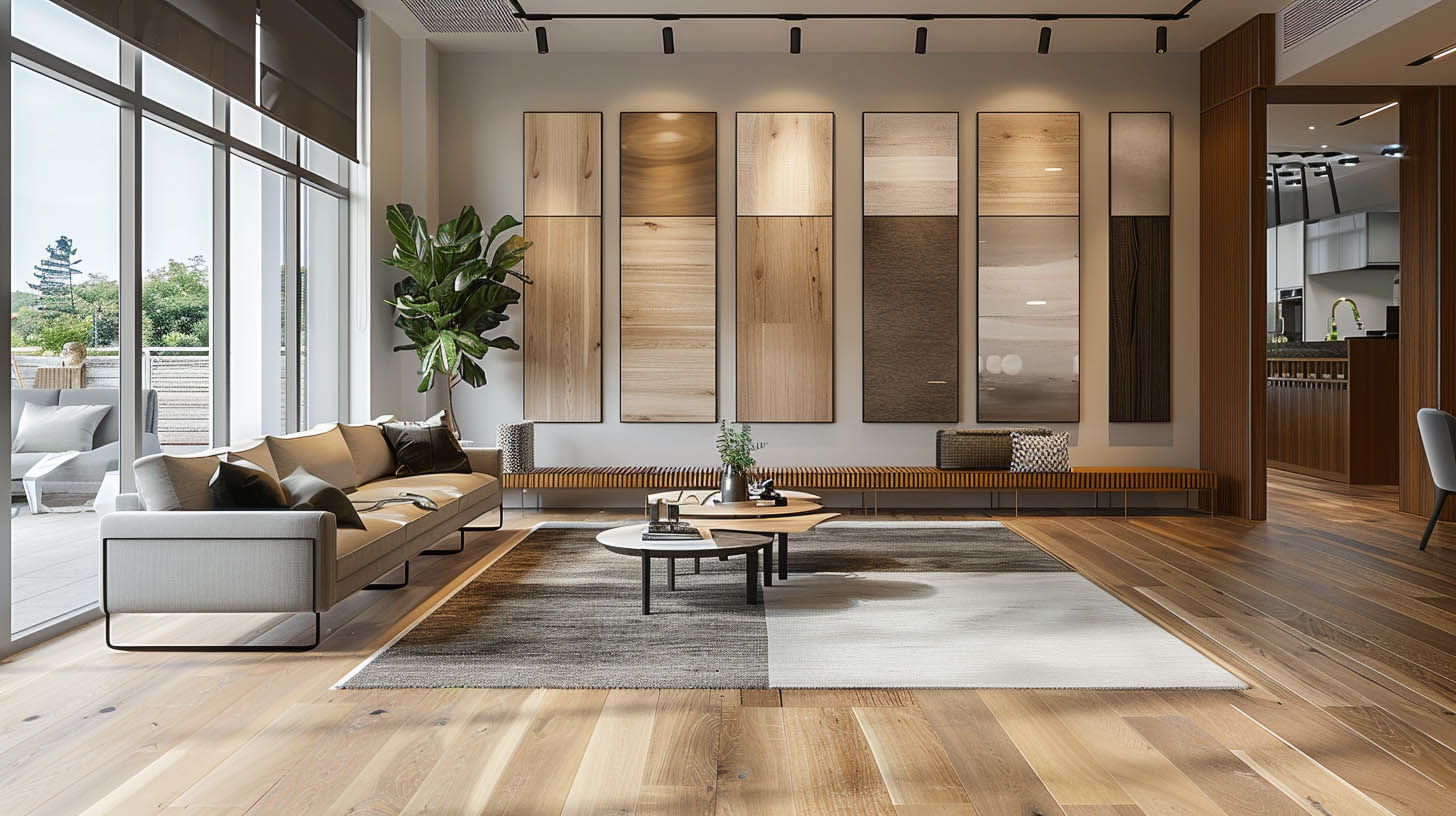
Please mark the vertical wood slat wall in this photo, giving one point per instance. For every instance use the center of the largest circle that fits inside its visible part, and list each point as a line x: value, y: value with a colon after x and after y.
x: 669, y: 266
x: 562, y: 309
x: 784, y: 192
x: 910, y: 304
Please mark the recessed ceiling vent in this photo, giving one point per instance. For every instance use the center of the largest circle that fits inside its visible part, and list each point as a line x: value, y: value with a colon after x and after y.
x: 1306, y: 18
x: 465, y: 16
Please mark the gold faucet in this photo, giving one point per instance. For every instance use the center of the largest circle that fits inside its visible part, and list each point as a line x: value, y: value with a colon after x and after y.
x: 1359, y: 324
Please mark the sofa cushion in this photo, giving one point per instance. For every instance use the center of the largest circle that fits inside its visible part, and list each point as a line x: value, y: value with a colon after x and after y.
x: 168, y: 482
x: 110, y: 428
x: 444, y: 489
x: 414, y: 520
x: 240, y: 484
x: 357, y: 549
x: 371, y: 454
x: 52, y: 428
x: 322, y: 452
x: 306, y: 491
x: 256, y: 452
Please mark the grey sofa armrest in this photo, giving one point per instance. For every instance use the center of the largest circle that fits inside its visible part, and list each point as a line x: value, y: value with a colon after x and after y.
x: 218, y: 561
x: 485, y: 460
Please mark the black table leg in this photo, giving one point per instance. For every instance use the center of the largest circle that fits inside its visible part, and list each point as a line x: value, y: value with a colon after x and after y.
x: 752, y: 577
x: 671, y: 574
x: 783, y: 556
x: 768, y: 563
x: 646, y: 585
x: 697, y: 565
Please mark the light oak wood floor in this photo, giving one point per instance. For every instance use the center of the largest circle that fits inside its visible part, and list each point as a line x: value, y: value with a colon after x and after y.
x: 1346, y: 632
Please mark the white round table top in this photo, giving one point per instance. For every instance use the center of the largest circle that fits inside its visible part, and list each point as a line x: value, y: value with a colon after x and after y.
x: 629, y: 538
x: 748, y: 509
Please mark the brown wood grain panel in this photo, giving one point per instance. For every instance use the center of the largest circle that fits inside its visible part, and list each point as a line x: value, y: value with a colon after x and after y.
x: 785, y: 319
x: 785, y: 163
x: 563, y: 163
x: 1140, y: 387
x: 911, y: 319
x: 562, y: 339
x: 1238, y: 62
x: 911, y: 163
x: 1028, y: 163
x: 669, y: 164
x: 669, y: 320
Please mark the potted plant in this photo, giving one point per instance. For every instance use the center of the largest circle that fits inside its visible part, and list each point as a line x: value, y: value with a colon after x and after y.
x: 455, y: 291
x: 735, y: 449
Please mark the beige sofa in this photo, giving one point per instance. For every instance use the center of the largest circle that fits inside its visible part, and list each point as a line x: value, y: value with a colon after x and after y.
x: 168, y: 549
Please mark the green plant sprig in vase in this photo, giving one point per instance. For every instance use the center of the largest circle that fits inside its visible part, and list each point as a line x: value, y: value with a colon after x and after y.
x: 735, y: 450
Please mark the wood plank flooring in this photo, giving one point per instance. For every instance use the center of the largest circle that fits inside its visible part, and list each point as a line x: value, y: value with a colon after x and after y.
x: 1346, y: 632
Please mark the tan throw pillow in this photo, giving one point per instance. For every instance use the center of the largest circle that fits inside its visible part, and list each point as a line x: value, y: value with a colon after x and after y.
x: 258, y: 454
x: 322, y: 453
x: 371, y: 454
x: 176, y: 482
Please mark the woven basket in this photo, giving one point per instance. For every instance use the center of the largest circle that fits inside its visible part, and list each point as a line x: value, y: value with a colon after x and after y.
x: 977, y: 448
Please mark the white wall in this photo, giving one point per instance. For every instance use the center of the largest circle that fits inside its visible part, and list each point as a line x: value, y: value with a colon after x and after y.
x: 482, y: 99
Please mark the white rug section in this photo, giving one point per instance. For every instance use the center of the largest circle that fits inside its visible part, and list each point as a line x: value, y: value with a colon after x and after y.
x: 970, y: 630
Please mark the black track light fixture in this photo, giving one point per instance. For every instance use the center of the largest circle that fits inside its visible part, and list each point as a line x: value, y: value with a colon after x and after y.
x: 1045, y: 45
x: 796, y: 39
x: 667, y: 46
x: 921, y: 34
x: 541, y: 46
x: 1162, y: 40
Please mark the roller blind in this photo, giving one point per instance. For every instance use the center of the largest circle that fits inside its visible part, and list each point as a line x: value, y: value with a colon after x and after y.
x: 308, y: 56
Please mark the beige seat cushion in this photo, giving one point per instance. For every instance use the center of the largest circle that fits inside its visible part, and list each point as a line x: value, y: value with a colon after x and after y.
x: 360, y: 548
x: 321, y: 452
x: 371, y: 454
x: 445, y: 489
x: 414, y: 519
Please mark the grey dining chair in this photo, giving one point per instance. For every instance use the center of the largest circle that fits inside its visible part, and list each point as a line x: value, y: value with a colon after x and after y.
x: 1438, y: 435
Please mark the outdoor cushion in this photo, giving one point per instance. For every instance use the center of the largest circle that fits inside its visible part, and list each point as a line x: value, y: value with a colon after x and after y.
x: 20, y: 396
x: 54, y: 428
x: 324, y: 453
x: 110, y: 428
x: 22, y: 462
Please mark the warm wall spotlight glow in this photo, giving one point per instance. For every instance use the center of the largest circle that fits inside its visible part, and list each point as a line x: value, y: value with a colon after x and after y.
x: 1045, y: 45
x: 1311, y: 127
x: 1442, y: 54
x: 1036, y: 303
x: 921, y: 34
x: 1367, y: 114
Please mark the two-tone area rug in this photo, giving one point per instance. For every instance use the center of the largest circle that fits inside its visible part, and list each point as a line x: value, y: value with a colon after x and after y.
x: 867, y: 605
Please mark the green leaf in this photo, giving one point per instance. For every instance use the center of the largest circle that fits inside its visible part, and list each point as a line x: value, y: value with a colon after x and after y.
x: 472, y: 373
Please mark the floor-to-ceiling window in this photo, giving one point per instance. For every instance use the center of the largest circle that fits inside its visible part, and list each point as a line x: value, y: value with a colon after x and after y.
x: 129, y: 175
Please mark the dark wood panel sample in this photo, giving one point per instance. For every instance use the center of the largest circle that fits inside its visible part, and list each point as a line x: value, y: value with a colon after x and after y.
x: 911, y: 305
x: 1139, y: 331
x: 785, y: 319
x: 669, y: 164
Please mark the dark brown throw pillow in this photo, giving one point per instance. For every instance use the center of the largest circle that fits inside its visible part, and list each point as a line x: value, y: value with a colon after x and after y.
x: 308, y: 492
x: 424, y: 447
x: 242, y: 485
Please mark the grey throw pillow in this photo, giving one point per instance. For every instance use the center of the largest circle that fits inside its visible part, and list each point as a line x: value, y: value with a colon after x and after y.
x: 55, y: 428
x: 1040, y: 453
x: 306, y: 491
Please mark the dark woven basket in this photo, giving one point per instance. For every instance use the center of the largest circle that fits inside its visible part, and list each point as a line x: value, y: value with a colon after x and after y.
x: 977, y: 448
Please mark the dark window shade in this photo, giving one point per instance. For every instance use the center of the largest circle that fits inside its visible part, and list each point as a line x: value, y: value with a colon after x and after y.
x: 212, y: 39
x: 309, y: 55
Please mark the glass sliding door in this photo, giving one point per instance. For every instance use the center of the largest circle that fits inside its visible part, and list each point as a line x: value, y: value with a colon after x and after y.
x: 321, y: 307
x: 257, y: 363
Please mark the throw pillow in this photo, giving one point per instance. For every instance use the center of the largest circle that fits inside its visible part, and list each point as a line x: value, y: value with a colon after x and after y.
x: 56, y: 428
x: 306, y: 491
x: 241, y: 485
x: 425, y: 447
x: 1039, y: 453
x: 372, y: 459
x: 322, y: 450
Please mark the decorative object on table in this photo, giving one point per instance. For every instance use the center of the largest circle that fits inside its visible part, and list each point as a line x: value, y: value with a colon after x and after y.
x: 661, y: 510
x: 1040, y: 453
x: 517, y: 443
x: 763, y: 491
x: 454, y: 292
x: 735, y: 450
x: 1334, y: 329
x: 977, y: 448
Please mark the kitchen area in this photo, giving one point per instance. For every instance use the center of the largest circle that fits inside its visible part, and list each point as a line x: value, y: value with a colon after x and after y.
x: 1333, y: 291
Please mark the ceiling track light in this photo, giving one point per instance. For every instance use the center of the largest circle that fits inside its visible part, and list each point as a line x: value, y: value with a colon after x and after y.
x: 1367, y: 114
x: 541, y: 46
x: 667, y: 45
x: 1161, y: 45
x: 921, y: 34
x: 1045, y: 44
x: 795, y: 40
x: 1394, y: 151
x: 1432, y: 57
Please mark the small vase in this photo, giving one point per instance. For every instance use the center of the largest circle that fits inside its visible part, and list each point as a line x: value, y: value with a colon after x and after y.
x: 734, y: 487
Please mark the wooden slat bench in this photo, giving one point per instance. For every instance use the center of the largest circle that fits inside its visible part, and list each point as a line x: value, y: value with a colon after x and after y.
x: 872, y: 479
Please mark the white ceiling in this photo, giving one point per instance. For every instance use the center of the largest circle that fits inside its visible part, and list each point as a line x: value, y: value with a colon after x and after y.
x: 1289, y: 129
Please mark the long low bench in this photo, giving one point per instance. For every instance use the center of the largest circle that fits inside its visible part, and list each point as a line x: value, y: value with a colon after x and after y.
x: 874, y: 478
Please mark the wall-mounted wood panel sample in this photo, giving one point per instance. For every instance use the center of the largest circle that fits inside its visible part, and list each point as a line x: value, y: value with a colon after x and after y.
x: 562, y: 338
x: 669, y: 164
x: 911, y: 319
x: 1139, y: 373
x: 1028, y: 336
x: 911, y: 163
x: 1028, y: 163
x: 785, y: 163
x: 669, y: 320
x: 1140, y: 155
x: 785, y: 320
x: 563, y: 163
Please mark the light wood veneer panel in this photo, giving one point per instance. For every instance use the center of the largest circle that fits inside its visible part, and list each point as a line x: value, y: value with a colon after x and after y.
x: 911, y: 163
x: 563, y: 163
x: 562, y: 339
x: 785, y: 163
x: 669, y: 320
x: 1014, y: 151
x: 669, y: 164
x: 785, y: 319
x: 1140, y: 163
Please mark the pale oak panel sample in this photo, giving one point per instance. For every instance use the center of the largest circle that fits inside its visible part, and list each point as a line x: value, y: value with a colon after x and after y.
x: 1140, y: 155
x: 563, y: 163
x: 669, y: 320
x: 911, y: 163
x: 785, y: 320
x: 1015, y: 152
x: 562, y: 338
x: 785, y: 163
x: 669, y: 164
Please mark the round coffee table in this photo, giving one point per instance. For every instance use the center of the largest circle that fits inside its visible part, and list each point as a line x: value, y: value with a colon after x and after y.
x: 628, y: 541
x: 715, y: 514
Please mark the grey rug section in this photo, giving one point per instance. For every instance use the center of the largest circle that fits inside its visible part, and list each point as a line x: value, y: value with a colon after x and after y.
x: 859, y: 547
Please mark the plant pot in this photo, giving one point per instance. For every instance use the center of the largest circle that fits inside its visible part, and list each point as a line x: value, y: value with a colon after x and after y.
x: 734, y: 487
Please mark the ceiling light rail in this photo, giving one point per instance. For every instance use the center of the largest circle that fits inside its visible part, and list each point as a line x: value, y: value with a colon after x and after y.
x: 522, y: 14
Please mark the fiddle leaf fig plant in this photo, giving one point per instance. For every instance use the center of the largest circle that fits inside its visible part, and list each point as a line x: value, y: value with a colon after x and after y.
x: 454, y: 294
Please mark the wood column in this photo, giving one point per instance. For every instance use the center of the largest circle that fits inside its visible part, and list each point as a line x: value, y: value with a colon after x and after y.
x: 1427, y: 278
x: 1236, y: 70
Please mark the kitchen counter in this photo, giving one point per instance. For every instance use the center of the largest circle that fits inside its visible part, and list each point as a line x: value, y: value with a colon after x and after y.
x: 1333, y: 409
x: 1307, y: 348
